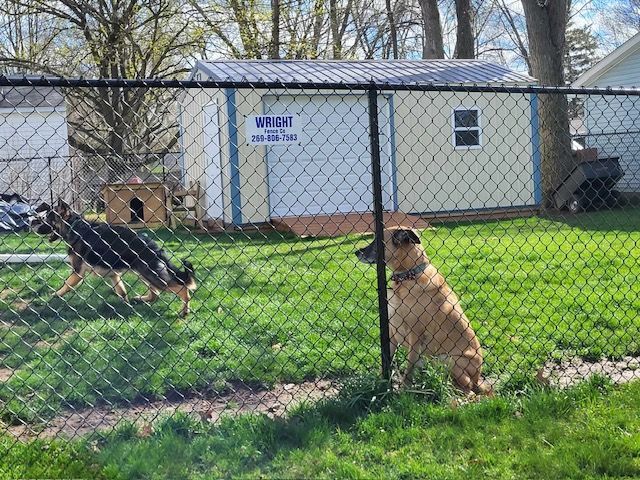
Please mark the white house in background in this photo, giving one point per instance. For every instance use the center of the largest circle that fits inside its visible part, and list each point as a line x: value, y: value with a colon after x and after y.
x: 612, y: 123
x: 34, y: 145
x: 440, y: 151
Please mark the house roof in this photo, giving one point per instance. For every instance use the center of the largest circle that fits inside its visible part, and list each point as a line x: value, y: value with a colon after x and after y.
x: 589, y: 77
x: 30, y: 97
x: 394, y: 72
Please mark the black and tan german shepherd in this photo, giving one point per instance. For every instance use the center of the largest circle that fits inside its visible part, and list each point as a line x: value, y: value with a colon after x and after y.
x: 109, y: 251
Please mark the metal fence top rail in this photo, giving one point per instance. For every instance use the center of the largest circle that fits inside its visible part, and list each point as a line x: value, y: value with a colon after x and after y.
x: 303, y: 85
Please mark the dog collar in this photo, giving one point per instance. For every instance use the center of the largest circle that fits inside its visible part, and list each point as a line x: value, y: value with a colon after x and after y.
x: 410, y: 274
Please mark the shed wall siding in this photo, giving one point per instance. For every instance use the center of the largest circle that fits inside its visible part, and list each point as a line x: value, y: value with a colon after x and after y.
x: 613, y: 128
x: 254, y: 189
x: 194, y: 141
x: 433, y: 176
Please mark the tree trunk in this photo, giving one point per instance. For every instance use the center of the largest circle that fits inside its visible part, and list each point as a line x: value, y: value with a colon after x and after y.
x: 432, y: 45
x: 335, y: 30
x: 318, y: 14
x: 465, y: 43
x: 546, y: 24
x: 392, y: 29
x: 274, y: 48
x: 115, y: 158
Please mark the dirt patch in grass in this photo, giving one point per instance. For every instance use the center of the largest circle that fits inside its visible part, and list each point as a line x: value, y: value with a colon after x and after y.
x: 5, y: 374
x: 274, y: 402
x: 59, y: 341
x: 241, y: 399
x: 19, y: 304
x: 570, y: 371
x: 6, y: 292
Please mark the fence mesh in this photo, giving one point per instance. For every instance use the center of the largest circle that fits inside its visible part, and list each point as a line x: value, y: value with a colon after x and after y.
x: 222, y: 222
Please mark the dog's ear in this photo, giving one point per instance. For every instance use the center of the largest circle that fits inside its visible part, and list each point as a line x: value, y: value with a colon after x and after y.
x: 43, y: 207
x: 405, y: 235
x: 63, y: 208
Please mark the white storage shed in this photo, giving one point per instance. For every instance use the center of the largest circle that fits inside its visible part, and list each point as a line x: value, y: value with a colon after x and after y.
x: 440, y: 151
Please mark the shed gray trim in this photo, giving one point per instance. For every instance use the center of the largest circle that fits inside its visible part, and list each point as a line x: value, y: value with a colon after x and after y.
x: 387, y: 71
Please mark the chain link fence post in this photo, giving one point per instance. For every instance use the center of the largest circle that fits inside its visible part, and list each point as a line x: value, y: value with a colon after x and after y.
x: 376, y: 173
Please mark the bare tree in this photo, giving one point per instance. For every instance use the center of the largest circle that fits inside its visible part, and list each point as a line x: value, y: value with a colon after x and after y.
x: 335, y: 29
x: 618, y: 21
x: 546, y: 27
x: 125, y: 39
x: 28, y: 39
x: 231, y: 20
x: 433, y: 46
x: 393, y: 33
x: 295, y: 28
x: 465, y: 41
x: 274, y: 49
x: 373, y: 30
x: 318, y: 22
x: 303, y: 28
x: 514, y: 26
x: 339, y: 18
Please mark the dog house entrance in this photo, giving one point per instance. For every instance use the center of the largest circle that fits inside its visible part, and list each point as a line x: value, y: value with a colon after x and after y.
x: 136, y: 204
x: 137, y: 210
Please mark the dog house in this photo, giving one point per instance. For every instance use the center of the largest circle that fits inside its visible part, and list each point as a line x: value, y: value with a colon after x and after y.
x: 136, y: 205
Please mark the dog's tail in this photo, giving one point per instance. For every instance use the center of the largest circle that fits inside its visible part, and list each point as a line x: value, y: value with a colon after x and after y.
x: 188, y: 277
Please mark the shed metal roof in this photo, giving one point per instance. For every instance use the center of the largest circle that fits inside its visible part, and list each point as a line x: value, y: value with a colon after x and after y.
x: 30, y: 97
x: 394, y: 72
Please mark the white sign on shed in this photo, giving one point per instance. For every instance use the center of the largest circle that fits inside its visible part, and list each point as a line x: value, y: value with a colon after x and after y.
x: 273, y: 129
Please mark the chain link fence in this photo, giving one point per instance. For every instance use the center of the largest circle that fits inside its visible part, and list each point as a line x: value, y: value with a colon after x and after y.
x: 240, y: 274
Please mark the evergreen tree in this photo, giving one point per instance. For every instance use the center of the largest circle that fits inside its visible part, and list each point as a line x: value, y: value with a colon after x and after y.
x: 580, y: 52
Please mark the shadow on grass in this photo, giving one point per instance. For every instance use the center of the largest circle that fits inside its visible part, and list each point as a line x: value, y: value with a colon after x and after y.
x: 623, y: 219
x: 111, y: 362
x: 242, y: 240
x: 366, y: 432
x: 626, y: 219
x: 365, y: 413
x: 34, y: 321
x: 268, y: 436
x: 46, y: 311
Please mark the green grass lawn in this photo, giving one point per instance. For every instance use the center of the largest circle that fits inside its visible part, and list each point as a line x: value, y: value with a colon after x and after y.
x: 588, y: 432
x: 272, y: 309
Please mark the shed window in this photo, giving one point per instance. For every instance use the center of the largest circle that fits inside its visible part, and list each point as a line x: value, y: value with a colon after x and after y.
x: 466, y: 128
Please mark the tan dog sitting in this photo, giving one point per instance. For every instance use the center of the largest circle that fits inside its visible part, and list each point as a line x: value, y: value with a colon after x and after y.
x: 424, y: 313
